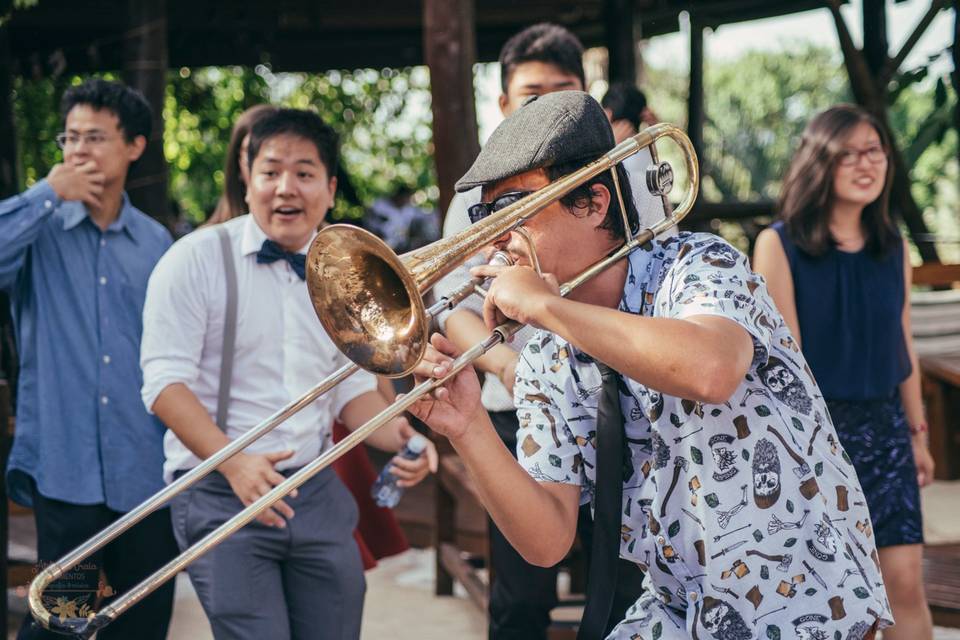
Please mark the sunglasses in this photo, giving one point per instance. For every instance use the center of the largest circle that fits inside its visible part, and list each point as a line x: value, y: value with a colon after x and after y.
x: 481, y: 210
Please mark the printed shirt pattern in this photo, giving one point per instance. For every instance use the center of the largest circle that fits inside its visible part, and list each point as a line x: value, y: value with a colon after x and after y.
x: 747, y: 516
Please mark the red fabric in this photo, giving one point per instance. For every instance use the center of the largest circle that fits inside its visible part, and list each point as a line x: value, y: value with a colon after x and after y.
x: 378, y: 533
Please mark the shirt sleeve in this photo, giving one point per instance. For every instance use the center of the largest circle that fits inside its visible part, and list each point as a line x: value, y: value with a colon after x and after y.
x: 21, y: 219
x: 546, y: 447
x: 359, y: 383
x: 710, y: 277
x: 175, y: 317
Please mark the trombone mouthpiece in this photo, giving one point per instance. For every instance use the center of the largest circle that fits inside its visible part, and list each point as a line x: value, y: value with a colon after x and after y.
x: 500, y: 258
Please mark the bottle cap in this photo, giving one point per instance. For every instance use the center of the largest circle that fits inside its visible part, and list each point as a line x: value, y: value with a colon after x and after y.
x: 417, y: 443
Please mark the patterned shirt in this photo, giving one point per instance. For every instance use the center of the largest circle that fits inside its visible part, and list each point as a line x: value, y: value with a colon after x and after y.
x: 747, y: 516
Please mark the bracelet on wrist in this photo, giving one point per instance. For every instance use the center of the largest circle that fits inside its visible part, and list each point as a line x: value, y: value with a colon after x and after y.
x: 919, y: 428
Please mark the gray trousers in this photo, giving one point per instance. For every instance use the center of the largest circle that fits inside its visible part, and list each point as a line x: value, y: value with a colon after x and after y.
x: 301, y: 582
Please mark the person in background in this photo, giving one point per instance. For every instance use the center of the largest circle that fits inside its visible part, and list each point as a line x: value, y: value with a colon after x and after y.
x: 839, y: 272
x: 400, y: 223
x: 378, y: 533
x: 236, y: 170
x: 627, y: 110
x: 539, y: 60
x: 75, y: 256
x: 296, y: 570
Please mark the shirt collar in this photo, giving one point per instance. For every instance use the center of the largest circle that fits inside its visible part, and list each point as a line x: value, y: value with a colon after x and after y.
x: 76, y: 212
x: 253, y: 237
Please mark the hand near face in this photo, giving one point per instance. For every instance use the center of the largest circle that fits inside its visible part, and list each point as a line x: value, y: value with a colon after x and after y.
x: 449, y: 409
x: 516, y: 293
x: 79, y: 182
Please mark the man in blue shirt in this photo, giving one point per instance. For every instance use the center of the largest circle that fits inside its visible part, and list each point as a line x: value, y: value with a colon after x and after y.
x: 74, y: 259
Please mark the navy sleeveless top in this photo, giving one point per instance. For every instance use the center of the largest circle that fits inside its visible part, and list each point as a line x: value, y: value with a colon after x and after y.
x: 850, y: 309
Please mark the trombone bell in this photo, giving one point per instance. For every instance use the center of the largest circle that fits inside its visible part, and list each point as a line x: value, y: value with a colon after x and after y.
x: 384, y: 333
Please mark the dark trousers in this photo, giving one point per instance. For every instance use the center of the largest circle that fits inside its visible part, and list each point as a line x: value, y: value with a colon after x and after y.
x: 126, y: 561
x: 521, y: 594
x: 302, y: 582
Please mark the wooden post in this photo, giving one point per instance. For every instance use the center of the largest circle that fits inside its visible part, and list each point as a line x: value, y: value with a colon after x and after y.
x: 9, y: 185
x: 618, y: 20
x: 9, y: 182
x: 955, y: 76
x: 875, y: 44
x: 695, y: 107
x: 449, y: 42
x: 145, y: 69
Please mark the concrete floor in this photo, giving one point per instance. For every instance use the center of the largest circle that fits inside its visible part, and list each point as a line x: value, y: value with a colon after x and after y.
x: 400, y: 605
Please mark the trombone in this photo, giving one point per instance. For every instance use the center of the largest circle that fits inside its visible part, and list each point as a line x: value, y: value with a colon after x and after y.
x: 370, y: 302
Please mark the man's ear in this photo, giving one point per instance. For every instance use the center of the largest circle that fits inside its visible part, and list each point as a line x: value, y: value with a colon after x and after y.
x: 135, y: 148
x: 333, y: 189
x: 503, y: 101
x: 599, y: 203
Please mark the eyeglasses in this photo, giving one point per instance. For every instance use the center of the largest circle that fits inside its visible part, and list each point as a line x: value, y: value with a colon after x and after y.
x: 851, y: 157
x: 65, y: 140
x: 481, y: 210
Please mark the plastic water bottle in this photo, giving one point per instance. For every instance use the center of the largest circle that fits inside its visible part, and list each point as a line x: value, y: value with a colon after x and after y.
x: 385, y: 491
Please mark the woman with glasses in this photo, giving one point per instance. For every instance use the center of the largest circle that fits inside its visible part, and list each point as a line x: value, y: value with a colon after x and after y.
x: 839, y: 271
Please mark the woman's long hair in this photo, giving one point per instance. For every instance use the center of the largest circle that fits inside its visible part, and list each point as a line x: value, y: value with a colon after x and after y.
x: 807, y: 197
x: 231, y: 203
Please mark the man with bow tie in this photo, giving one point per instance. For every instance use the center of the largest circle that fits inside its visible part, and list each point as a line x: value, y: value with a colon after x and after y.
x: 237, y: 292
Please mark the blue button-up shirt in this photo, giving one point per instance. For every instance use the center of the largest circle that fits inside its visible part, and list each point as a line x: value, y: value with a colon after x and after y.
x: 76, y: 296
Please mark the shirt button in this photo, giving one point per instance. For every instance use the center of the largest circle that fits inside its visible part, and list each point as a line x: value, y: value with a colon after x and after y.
x: 104, y: 399
x: 47, y: 204
x: 103, y: 280
x: 103, y: 242
x: 692, y: 596
x: 661, y: 540
x: 106, y: 359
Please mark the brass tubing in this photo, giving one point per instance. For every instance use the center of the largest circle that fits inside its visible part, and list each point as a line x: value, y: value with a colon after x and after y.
x: 426, y: 269
x: 85, y: 627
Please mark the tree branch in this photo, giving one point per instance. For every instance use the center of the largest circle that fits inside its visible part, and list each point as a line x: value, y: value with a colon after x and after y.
x: 894, y: 63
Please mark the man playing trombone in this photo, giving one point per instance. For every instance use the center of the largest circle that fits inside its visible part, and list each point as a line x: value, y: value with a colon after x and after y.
x: 730, y: 490
x: 296, y: 571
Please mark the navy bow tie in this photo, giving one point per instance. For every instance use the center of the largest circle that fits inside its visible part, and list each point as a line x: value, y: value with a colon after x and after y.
x: 271, y: 252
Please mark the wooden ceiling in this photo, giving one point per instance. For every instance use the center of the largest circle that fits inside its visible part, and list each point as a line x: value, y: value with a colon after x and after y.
x: 57, y: 36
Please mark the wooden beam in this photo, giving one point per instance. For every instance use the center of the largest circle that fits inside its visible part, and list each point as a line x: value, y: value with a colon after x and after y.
x: 894, y: 63
x: 875, y: 44
x: 145, y: 69
x: 955, y: 75
x: 9, y: 182
x: 695, y: 106
x: 450, y: 47
x: 618, y: 21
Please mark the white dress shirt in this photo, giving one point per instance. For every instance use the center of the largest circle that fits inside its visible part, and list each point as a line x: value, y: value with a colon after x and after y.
x: 281, y: 349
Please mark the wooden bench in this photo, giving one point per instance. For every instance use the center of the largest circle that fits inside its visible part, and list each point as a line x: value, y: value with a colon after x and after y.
x: 941, y: 577
x: 935, y: 320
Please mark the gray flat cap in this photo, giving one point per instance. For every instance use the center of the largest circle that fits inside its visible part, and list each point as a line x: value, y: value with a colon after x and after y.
x: 556, y: 128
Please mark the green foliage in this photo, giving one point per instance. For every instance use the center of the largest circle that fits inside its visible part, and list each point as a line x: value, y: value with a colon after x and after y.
x: 198, y: 114
x: 756, y: 107
x: 383, y: 118
x: 758, y: 104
